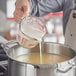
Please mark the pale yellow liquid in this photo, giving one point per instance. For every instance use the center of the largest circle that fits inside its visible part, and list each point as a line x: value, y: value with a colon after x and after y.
x: 34, y: 58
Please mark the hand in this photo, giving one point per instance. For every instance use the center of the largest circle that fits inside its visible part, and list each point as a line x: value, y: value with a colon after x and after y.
x: 22, y: 9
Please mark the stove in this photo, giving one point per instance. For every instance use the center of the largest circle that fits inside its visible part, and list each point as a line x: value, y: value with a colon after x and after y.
x: 3, y: 62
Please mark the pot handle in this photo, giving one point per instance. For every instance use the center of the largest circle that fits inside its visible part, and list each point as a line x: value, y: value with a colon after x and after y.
x: 3, y: 40
x: 7, y: 44
x: 71, y: 65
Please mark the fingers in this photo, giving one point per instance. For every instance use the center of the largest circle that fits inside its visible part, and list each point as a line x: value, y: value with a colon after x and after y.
x: 21, y: 10
x: 18, y: 15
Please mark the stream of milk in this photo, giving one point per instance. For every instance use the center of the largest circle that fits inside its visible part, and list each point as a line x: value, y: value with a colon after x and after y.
x: 40, y: 46
x: 35, y: 34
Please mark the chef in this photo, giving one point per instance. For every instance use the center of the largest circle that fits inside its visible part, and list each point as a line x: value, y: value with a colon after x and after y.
x: 43, y: 7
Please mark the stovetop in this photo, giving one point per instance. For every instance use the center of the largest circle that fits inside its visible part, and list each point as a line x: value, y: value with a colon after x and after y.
x: 3, y: 62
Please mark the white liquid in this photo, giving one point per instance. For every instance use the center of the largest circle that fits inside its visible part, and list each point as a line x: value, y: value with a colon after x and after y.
x: 33, y: 32
x: 40, y: 45
x: 36, y: 34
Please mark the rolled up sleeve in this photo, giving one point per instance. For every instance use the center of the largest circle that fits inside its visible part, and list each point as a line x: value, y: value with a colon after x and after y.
x: 42, y: 7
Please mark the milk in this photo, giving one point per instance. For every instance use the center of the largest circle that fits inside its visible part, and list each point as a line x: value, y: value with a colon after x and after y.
x: 40, y: 41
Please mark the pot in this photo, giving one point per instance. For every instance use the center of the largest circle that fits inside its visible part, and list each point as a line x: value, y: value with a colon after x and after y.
x: 17, y: 68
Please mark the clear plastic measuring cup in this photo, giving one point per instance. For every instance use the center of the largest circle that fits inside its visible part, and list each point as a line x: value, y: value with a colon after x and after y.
x: 31, y: 30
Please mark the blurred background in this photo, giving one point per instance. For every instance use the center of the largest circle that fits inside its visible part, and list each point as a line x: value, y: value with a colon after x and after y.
x: 7, y: 25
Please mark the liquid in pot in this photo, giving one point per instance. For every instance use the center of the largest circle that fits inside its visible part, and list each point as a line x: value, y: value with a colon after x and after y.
x: 34, y: 58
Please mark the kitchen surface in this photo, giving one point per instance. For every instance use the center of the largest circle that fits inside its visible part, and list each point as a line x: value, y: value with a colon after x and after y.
x: 9, y: 30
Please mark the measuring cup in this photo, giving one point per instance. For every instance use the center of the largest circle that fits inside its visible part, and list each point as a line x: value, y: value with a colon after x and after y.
x: 31, y: 30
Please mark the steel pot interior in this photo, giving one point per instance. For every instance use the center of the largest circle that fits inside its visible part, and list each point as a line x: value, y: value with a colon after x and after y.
x: 54, y: 48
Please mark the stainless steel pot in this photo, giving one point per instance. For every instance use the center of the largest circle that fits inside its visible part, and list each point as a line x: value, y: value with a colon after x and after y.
x: 17, y: 68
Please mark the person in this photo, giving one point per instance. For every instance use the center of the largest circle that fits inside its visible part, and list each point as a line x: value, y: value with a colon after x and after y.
x: 43, y: 7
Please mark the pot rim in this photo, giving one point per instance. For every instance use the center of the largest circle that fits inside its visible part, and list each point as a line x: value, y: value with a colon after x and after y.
x: 71, y: 58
